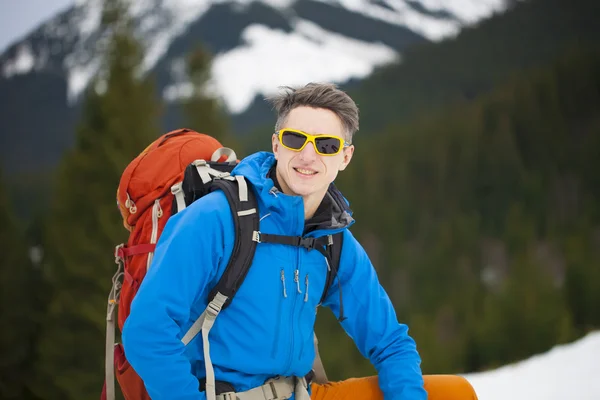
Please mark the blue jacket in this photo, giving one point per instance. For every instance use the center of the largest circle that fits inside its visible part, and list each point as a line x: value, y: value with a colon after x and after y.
x: 267, y: 330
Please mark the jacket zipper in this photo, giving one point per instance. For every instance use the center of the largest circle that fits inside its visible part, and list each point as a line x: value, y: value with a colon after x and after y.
x: 300, y: 315
x: 293, y: 321
x: 279, y: 304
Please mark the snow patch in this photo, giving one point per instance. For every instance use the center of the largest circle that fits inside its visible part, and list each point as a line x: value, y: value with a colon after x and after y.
x: 270, y: 58
x: 469, y: 11
x: 182, y: 90
x: 90, y: 17
x: 79, y: 78
x: 181, y: 14
x: 279, y: 4
x: 402, y: 15
x: 23, y: 62
x: 160, y: 25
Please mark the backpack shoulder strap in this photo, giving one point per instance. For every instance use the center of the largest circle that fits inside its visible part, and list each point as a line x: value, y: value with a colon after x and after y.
x: 334, y: 254
x: 244, y: 209
x: 243, y: 205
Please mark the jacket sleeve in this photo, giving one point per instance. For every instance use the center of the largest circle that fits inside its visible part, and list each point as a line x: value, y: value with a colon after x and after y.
x: 372, y: 323
x: 186, y: 260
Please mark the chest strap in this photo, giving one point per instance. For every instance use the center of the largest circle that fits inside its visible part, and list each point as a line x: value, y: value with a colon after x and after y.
x: 308, y: 243
x: 323, y: 245
x: 281, y: 388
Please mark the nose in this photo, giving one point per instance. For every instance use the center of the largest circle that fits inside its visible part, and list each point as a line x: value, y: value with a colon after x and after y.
x: 308, y: 153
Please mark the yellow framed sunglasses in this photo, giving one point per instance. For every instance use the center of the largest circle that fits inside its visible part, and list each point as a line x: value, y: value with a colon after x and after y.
x: 325, y: 145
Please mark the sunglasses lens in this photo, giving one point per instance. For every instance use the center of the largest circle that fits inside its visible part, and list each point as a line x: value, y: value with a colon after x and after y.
x: 328, y: 145
x: 293, y: 140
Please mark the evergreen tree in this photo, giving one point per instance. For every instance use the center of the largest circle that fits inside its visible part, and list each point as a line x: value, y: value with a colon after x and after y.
x: 487, y: 219
x: 119, y: 119
x: 21, y: 293
x: 203, y: 111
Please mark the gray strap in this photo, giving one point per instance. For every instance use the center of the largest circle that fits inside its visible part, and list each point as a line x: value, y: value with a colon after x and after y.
x: 203, y: 172
x: 275, y: 389
x: 279, y: 388
x: 318, y: 368
x: 224, y: 151
x: 243, y: 187
x: 243, y: 213
x: 177, y: 191
x: 194, y: 329
x: 109, y: 358
x: 212, y: 311
x: 301, y: 390
x: 109, y: 355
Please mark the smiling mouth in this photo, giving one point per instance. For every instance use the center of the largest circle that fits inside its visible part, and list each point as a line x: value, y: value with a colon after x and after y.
x: 306, y: 172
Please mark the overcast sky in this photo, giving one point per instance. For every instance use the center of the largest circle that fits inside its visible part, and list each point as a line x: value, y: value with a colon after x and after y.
x: 18, y: 17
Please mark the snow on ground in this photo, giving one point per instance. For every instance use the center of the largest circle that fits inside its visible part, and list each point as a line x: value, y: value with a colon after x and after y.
x: 569, y: 371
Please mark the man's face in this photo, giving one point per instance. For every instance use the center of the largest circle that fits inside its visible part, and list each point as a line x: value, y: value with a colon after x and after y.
x: 306, y: 173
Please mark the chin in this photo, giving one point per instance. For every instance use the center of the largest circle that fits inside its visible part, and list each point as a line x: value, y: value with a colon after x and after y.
x: 305, y: 190
x: 302, y: 191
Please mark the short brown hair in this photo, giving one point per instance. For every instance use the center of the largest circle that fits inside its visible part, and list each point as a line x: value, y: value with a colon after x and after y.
x: 317, y: 95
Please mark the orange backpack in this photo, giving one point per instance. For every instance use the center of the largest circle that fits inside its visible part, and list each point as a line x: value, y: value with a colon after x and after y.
x: 149, y: 188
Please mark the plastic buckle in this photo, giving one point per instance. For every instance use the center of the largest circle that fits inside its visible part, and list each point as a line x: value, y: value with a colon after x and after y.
x: 119, y: 255
x: 271, y: 388
x: 212, y: 309
x: 176, y: 188
x: 307, y: 243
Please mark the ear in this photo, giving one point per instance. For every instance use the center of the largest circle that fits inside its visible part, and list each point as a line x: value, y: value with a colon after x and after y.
x: 275, y: 144
x: 348, y: 152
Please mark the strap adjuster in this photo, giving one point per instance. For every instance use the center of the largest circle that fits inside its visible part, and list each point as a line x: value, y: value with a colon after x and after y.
x: 119, y: 253
x: 307, y: 243
x: 271, y: 387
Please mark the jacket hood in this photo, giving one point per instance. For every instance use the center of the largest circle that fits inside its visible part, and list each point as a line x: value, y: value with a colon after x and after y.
x: 256, y: 168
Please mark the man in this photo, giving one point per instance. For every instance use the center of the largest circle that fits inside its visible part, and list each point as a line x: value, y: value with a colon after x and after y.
x: 267, y: 331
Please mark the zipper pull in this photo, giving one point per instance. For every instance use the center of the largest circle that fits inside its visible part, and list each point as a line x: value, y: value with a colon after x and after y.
x: 306, y: 293
x: 297, y: 280
x: 283, y: 283
x: 328, y: 266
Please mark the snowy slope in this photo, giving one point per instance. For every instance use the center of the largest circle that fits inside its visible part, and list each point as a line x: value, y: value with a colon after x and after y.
x: 570, y: 371
x: 325, y: 56
x: 318, y: 53
x: 258, y: 45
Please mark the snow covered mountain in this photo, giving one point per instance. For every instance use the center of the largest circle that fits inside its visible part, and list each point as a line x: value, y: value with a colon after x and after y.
x: 259, y: 45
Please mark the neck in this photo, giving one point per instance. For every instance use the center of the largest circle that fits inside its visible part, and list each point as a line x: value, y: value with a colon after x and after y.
x: 311, y: 203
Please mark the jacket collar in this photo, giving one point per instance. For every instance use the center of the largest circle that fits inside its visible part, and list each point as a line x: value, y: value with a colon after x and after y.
x: 333, y: 212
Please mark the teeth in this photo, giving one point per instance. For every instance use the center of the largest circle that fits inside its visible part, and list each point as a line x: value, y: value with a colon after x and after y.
x: 305, y: 171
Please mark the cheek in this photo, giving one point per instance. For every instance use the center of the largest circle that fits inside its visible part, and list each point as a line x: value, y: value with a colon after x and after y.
x: 284, y: 158
x: 333, y: 166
